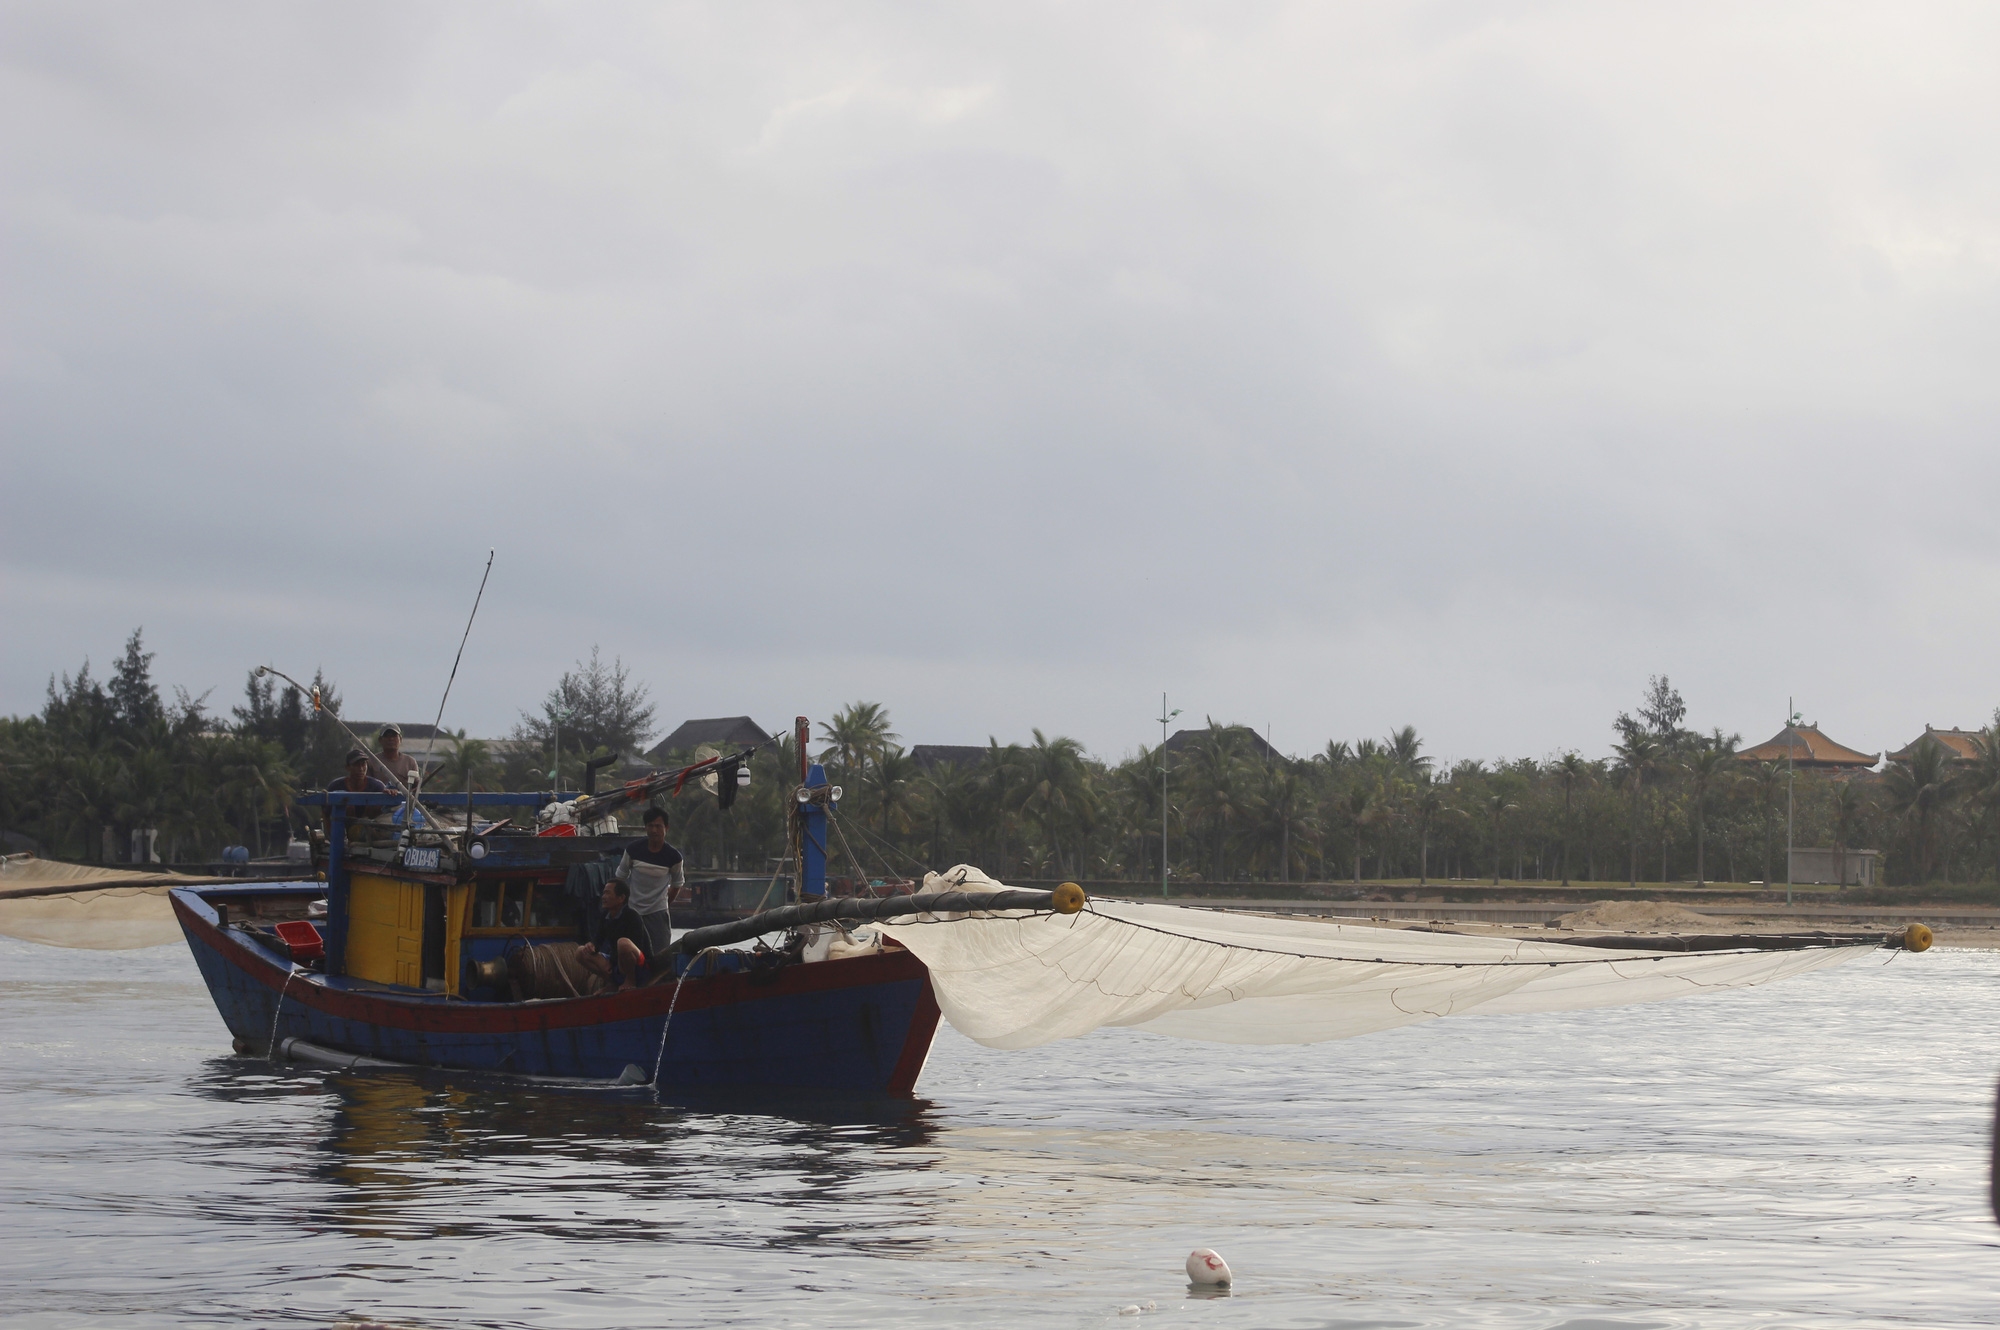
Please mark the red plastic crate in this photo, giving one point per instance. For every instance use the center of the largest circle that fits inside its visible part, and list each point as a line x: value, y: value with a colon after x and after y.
x: 303, y: 939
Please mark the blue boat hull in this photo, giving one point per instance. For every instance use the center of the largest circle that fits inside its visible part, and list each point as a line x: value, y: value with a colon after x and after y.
x: 859, y: 1026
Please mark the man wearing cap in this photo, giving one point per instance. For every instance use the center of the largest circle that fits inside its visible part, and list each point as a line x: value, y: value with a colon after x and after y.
x: 357, y: 781
x: 392, y: 764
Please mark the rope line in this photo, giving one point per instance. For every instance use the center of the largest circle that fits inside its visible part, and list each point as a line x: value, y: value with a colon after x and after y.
x: 1023, y: 917
x: 271, y: 1047
x: 660, y: 1059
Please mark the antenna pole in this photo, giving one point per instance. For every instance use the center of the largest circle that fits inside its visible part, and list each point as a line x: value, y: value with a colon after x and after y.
x: 1163, y: 796
x: 1791, y: 780
x: 431, y: 743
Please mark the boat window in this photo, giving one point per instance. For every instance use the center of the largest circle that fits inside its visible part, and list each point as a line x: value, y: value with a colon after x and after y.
x: 486, y: 906
x: 513, y: 904
x: 551, y: 908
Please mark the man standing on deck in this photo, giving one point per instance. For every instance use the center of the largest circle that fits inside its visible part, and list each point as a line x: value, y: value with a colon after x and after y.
x: 619, y: 952
x: 654, y: 871
x: 392, y: 764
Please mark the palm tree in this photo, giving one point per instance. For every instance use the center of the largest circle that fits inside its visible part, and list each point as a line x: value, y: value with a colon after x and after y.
x: 1402, y: 747
x: 1919, y: 790
x: 469, y: 763
x: 855, y: 735
x: 1496, y: 807
x: 1217, y: 781
x: 1428, y: 803
x: 1982, y: 780
x: 1135, y: 788
x: 1766, y: 780
x: 1638, y: 756
x: 1706, y: 767
x: 1359, y: 809
x: 1056, y: 790
x: 252, y: 781
x: 887, y: 786
x: 1851, y: 808
x: 1570, y: 771
x: 1284, y: 799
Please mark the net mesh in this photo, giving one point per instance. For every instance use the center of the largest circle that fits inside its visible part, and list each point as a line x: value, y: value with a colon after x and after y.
x: 1010, y: 979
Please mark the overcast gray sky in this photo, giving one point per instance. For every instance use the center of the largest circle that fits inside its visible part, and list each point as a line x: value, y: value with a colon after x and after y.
x: 1329, y: 367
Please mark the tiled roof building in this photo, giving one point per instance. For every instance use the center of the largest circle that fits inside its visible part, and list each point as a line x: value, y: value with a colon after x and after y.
x: 1958, y: 744
x: 1809, y: 750
x: 929, y: 757
x: 723, y: 732
x: 1184, y: 739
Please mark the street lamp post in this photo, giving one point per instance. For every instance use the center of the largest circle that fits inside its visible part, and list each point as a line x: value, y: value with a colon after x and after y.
x: 1165, y: 717
x: 558, y: 714
x: 1791, y: 738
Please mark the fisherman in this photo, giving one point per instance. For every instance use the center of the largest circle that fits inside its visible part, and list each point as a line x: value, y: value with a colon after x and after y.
x: 620, y: 951
x: 356, y: 781
x: 392, y: 764
x: 654, y: 870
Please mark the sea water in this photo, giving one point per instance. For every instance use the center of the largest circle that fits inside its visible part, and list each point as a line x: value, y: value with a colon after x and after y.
x: 1810, y: 1154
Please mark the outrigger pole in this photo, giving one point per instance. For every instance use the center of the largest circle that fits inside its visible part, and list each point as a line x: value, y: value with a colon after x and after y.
x: 1065, y: 899
x: 594, y: 807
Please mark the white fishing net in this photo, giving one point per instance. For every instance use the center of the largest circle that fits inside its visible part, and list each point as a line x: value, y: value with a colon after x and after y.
x: 1013, y: 980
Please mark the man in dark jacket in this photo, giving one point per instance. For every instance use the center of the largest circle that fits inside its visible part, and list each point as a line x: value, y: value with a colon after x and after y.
x: 356, y: 781
x: 621, y: 951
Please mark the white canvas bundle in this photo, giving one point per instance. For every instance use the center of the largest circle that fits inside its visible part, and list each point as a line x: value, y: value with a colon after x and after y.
x: 1011, y: 979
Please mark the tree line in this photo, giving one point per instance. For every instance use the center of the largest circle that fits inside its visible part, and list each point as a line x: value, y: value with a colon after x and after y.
x: 1667, y: 803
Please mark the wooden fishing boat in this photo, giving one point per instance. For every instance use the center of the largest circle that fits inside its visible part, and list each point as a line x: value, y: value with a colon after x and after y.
x: 417, y: 958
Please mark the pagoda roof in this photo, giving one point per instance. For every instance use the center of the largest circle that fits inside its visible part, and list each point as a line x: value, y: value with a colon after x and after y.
x: 1807, y: 747
x: 1960, y: 745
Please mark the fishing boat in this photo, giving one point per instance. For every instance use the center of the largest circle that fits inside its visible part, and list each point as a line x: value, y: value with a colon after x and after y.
x: 428, y: 937
x: 398, y: 951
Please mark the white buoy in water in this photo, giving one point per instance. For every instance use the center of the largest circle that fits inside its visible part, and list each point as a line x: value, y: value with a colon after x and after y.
x: 1207, y: 1267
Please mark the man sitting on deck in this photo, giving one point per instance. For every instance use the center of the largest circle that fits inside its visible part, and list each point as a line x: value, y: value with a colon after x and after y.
x: 358, y: 781
x: 654, y: 871
x: 620, y: 951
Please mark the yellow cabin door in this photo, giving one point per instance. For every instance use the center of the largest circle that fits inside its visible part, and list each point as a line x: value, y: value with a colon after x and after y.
x: 385, y: 930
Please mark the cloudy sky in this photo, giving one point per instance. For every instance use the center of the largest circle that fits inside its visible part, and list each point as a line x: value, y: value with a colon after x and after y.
x: 1330, y: 367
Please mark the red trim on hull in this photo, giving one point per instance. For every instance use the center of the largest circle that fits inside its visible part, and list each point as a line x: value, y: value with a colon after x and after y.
x: 917, y: 1046
x: 436, y: 1014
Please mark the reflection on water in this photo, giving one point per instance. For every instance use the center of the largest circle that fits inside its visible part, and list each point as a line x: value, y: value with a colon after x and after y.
x: 421, y: 1155
x: 1804, y: 1155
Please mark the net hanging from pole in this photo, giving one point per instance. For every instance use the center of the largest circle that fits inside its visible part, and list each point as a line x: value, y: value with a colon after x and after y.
x: 1014, y: 979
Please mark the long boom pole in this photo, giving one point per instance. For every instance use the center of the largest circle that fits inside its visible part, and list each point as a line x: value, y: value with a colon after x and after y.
x: 1067, y: 899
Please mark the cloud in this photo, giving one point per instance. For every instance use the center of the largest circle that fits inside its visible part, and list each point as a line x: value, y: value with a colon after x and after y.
x: 1334, y: 368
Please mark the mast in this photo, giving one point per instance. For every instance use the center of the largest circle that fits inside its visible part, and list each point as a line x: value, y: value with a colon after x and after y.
x: 1791, y: 738
x: 1165, y: 716
x: 809, y: 819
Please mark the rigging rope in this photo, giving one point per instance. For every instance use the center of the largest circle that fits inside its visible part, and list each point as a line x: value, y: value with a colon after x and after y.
x: 1378, y: 960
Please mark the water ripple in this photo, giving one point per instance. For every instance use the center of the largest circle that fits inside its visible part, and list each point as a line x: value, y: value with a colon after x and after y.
x: 1804, y: 1155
